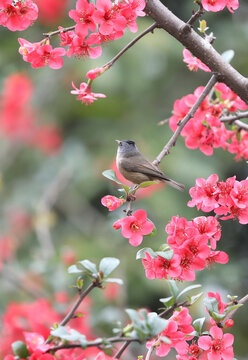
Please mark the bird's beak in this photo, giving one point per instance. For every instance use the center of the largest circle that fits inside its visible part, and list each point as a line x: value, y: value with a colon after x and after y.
x: 118, y: 142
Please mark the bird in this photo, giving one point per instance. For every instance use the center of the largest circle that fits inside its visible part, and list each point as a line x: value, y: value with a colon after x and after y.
x: 136, y: 168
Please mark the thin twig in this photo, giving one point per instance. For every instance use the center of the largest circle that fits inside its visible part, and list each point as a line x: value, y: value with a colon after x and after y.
x: 56, y: 32
x: 96, y: 342
x: 129, y: 45
x: 122, y: 349
x: 197, y: 14
x: 238, y: 116
x: 182, y: 123
x: 149, y: 353
x: 162, y: 122
x: 231, y: 313
x: 83, y: 294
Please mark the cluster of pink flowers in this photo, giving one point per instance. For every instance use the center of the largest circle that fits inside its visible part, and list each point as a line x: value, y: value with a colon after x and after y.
x: 177, y: 331
x: 134, y: 227
x: 85, y: 94
x: 20, y: 322
x: 18, y: 118
x: 193, y: 63
x: 111, y: 19
x: 17, y: 15
x: 215, y: 346
x: 228, y: 198
x: 218, y: 5
x: 193, y: 244
x: 205, y: 130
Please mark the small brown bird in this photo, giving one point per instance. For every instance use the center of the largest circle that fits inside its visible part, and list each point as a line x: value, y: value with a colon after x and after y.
x: 135, y: 168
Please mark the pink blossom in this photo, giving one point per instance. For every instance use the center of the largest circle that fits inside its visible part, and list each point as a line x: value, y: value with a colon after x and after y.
x: 82, y: 47
x: 85, y: 95
x: 161, y: 268
x: 232, y: 101
x: 229, y: 323
x: 66, y: 37
x: 83, y: 16
x: 134, y: 227
x: 217, y: 257
x: 232, y: 5
x: 183, y: 320
x: 112, y: 202
x: 94, y: 73
x: 221, y: 306
x: 18, y: 15
x: 239, y: 145
x: 194, y: 63
x: 35, y: 341
x: 46, y: 55
x: 218, y: 346
x: 189, y: 263
x: 177, y: 338
x: 213, y: 5
x: 204, y: 194
x: 179, y: 230
x: 109, y: 18
x: 209, y: 227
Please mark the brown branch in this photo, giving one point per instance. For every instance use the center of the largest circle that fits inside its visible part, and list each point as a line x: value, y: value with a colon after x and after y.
x: 196, y: 15
x: 96, y: 342
x: 56, y: 32
x: 83, y: 294
x: 242, y: 115
x: 122, y: 349
x: 129, y: 45
x: 198, y: 47
x: 231, y: 313
x: 183, y: 122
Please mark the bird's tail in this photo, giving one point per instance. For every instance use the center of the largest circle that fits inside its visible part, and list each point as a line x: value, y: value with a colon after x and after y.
x: 175, y: 184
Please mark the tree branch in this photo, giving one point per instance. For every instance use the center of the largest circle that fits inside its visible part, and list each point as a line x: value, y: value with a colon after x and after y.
x: 129, y: 45
x: 182, y: 123
x: 231, y: 313
x: 242, y: 115
x: 56, y: 32
x: 196, y: 15
x: 122, y: 349
x: 83, y: 294
x: 198, y: 47
x: 96, y: 342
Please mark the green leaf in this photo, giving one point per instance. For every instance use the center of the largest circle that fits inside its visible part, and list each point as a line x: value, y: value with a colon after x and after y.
x: 195, y: 298
x: 168, y: 302
x: 108, y: 264
x: 114, y: 280
x: 141, y: 254
x: 156, y: 323
x: 20, y: 349
x: 212, y: 304
x: 188, y: 289
x: 73, y: 269
x: 173, y: 288
x: 111, y: 175
x: 198, y: 324
x: 232, y: 307
x: 88, y: 265
x: 228, y: 55
x: 168, y: 254
x: 145, y: 184
x: 133, y: 314
x: 62, y: 333
x: 216, y: 316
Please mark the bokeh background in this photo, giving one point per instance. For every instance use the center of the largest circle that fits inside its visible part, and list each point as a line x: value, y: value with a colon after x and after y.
x: 51, y: 187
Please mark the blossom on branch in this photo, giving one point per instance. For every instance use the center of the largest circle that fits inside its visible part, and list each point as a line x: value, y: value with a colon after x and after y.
x: 194, y: 63
x: 84, y: 93
x: 112, y: 202
x: 17, y: 15
x: 134, y: 227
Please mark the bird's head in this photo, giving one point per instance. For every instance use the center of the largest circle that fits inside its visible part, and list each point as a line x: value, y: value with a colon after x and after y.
x: 127, y: 147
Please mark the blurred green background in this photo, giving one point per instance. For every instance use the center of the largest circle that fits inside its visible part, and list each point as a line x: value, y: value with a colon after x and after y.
x: 141, y: 89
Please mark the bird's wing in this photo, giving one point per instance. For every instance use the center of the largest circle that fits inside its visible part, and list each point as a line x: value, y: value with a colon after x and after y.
x: 145, y: 168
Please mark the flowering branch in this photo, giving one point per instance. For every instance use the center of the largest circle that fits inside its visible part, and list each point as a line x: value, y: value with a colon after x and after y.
x: 83, y: 294
x: 204, y: 51
x: 57, y: 32
x: 242, y: 115
x: 182, y: 123
x: 96, y: 342
x: 129, y: 45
